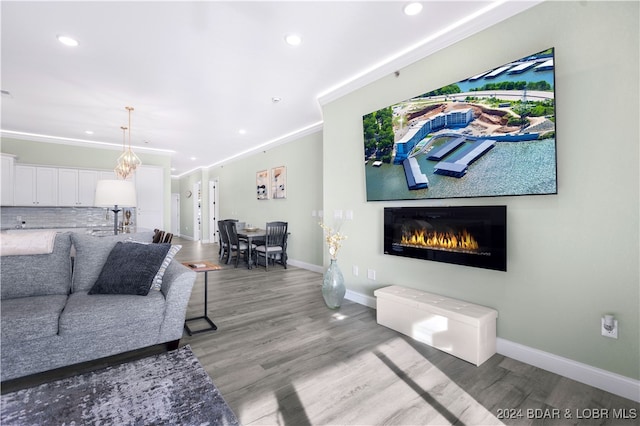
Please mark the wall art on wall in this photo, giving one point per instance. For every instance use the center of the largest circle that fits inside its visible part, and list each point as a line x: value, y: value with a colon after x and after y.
x: 492, y: 134
x: 279, y: 182
x: 262, y: 184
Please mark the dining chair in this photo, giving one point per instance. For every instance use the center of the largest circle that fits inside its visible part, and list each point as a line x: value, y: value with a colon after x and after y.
x: 224, y: 240
x: 168, y: 237
x: 158, y: 236
x: 235, y: 244
x: 275, y: 244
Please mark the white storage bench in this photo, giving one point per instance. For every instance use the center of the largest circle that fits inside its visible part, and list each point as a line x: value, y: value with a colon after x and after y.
x: 460, y: 328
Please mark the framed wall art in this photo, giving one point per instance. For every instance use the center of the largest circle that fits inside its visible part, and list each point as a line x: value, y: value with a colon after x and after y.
x: 262, y: 184
x: 279, y: 182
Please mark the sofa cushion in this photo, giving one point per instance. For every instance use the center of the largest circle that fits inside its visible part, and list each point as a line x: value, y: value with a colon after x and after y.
x: 29, y: 318
x: 86, y: 313
x: 92, y: 253
x: 38, y: 274
x: 130, y: 269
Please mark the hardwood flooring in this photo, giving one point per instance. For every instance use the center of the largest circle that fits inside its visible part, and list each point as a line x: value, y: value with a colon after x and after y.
x: 280, y: 357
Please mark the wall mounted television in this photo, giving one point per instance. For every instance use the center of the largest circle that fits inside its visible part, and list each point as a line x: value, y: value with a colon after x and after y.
x: 492, y: 134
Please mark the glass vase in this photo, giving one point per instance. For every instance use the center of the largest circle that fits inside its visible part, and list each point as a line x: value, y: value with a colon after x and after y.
x: 333, y: 288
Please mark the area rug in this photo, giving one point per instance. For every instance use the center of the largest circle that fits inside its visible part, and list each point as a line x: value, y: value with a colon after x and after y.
x: 170, y: 388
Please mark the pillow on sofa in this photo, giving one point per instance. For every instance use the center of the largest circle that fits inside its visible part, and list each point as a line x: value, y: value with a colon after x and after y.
x: 91, y: 253
x: 130, y: 269
x: 157, y: 280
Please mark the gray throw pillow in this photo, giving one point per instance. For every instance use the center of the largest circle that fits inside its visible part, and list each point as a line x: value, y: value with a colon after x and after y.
x: 91, y: 253
x: 130, y: 269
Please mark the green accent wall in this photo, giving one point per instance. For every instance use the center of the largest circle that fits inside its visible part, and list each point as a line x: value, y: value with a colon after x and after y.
x: 572, y: 257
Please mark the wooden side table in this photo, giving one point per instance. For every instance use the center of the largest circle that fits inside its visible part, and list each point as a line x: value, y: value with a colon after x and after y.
x: 198, y: 267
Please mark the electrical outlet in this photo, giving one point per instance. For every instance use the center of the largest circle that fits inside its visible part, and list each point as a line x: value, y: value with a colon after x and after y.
x: 371, y: 274
x: 613, y: 333
x: 355, y: 270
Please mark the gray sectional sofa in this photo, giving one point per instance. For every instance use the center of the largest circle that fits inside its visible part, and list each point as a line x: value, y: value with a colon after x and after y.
x: 49, y: 319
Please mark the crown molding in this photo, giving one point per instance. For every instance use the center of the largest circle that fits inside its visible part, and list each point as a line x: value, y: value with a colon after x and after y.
x: 472, y: 24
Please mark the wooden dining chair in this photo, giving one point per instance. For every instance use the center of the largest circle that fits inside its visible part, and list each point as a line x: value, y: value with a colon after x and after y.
x: 224, y: 241
x: 275, y: 244
x: 158, y: 236
x: 240, y: 247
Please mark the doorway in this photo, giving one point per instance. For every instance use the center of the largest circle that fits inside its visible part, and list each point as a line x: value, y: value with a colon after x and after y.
x: 197, y: 212
x: 175, y: 214
x: 214, y: 211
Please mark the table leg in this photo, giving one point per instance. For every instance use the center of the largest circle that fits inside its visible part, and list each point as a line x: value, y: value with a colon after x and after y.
x: 250, y: 259
x: 205, y: 317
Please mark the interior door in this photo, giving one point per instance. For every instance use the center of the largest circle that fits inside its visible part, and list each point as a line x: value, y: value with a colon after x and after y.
x: 175, y: 214
x: 213, y: 211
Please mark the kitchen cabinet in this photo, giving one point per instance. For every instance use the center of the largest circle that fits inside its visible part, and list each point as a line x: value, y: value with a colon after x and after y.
x: 76, y: 187
x: 149, y: 182
x: 35, y: 186
x: 7, y: 168
x: 106, y: 175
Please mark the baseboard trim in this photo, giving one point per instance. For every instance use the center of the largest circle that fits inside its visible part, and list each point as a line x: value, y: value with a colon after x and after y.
x: 360, y: 298
x: 305, y: 265
x: 602, y: 379
x: 598, y: 378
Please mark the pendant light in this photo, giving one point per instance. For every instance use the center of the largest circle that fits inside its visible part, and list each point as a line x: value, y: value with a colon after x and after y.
x: 122, y: 169
x: 128, y: 161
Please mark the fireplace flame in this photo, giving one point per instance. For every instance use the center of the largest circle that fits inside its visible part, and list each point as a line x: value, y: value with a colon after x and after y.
x: 441, y: 240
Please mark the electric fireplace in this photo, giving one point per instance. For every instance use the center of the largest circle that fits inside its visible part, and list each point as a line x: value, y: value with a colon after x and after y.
x: 464, y: 235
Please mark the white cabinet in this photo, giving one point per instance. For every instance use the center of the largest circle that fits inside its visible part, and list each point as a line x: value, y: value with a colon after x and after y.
x: 35, y: 186
x: 7, y: 168
x: 76, y: 187
x: 149, y: 181
x: 106, y: 175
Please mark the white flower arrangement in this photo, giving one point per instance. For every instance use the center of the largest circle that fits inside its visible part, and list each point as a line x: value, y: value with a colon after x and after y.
x: 334, y: 238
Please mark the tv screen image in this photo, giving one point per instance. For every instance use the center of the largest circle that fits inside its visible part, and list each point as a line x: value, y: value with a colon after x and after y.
x: 492, y: 134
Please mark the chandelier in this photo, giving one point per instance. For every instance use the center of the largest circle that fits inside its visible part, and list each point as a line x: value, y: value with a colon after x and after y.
x: 128, y: 160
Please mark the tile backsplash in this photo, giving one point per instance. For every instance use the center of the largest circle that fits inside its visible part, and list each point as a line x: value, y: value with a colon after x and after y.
x: 58, y: 217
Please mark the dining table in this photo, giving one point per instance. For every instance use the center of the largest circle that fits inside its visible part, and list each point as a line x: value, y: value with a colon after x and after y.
x: 251, y: 235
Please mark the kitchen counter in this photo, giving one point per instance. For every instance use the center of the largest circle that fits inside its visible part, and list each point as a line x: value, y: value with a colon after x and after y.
x: 100, y: 231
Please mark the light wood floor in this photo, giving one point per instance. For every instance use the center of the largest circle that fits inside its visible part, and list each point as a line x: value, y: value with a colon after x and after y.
x: 280, y: 357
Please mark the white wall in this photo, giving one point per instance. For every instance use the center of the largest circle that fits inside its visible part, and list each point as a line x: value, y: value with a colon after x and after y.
x: 571, y: 257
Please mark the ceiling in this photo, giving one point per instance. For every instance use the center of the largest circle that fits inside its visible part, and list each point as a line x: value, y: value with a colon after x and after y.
x: 202, y: 76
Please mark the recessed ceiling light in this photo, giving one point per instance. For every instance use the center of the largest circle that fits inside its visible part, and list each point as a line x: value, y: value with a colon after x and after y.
x: 242, y: 131
x: 413, y: 8
x: 293, y: 39
x: 276, y: 99
x: 68, y: 41
x: 193, y: 158
x: 89, y: 132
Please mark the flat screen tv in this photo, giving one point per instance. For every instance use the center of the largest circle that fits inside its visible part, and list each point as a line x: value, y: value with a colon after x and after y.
x: 492, y: 134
